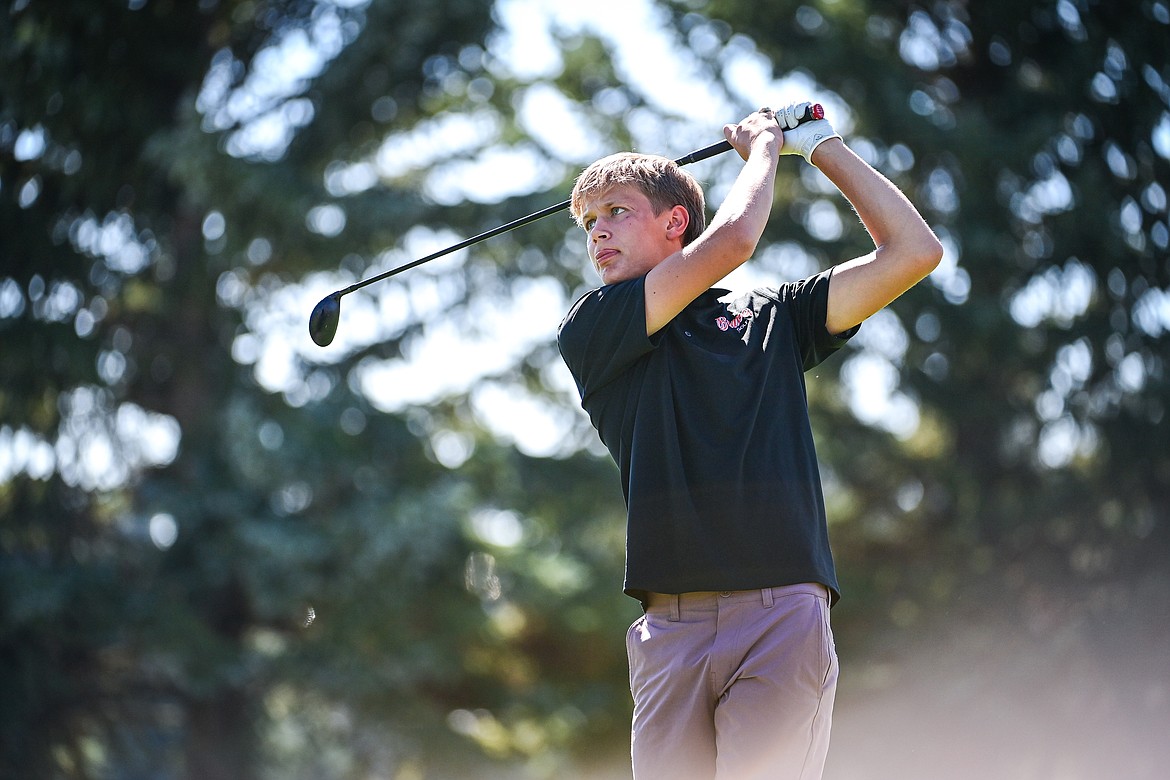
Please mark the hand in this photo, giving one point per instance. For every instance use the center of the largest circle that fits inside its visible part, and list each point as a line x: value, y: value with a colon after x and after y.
x: 799, y: 138
x: 741, y: 136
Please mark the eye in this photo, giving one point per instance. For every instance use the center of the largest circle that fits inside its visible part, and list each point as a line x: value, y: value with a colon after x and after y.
x: 617, y: 210
x: 589, y: 223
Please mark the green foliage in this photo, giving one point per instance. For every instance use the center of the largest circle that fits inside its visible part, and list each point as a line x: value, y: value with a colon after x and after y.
x: 223, y: 554
x: 1033, y: 136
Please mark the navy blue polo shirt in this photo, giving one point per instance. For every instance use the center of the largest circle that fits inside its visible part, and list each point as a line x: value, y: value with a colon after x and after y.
x: 708, y: 423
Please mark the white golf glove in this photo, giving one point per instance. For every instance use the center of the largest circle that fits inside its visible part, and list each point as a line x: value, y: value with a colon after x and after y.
x: 802, y: 139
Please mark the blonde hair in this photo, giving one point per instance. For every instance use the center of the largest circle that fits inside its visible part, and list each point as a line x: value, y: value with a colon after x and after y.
x: 661, y: 180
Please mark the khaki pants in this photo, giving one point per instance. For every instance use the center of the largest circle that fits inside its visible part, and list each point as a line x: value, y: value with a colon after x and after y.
x: 733, y: 686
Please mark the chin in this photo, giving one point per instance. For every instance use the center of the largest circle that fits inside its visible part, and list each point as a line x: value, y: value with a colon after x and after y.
x: 612, y: 276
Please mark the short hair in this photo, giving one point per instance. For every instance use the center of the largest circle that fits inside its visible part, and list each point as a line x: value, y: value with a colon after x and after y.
x: 664, y: 183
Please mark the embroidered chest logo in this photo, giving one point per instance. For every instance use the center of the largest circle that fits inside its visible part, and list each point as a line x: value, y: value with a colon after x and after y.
x: 736, y: 323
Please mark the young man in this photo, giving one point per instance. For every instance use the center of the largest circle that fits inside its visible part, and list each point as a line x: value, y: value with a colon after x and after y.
x: 701, y: 401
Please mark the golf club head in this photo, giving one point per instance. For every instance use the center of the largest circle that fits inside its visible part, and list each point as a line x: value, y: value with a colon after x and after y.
x: 323, y: 320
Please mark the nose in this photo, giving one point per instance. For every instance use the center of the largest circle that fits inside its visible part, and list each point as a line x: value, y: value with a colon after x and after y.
x: 598, y: 232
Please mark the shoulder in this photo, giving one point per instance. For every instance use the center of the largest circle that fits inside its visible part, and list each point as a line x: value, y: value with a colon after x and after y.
x: 610, y: 300
x: 811, y: 287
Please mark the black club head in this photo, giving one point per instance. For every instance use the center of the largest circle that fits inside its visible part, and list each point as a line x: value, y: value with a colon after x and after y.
x: 323, y: 320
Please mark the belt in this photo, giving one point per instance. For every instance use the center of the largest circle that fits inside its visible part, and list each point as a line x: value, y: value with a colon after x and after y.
x: 767, y: 596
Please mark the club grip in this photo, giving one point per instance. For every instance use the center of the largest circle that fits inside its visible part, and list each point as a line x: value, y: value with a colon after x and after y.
x: 814, y: 111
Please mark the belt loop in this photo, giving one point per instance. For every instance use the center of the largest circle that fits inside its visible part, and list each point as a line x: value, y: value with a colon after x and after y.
x: 766, y: 593
x: 675, y: 614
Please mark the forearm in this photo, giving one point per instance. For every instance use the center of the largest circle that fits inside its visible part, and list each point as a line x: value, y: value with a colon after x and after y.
x: 906, y: 248
x: 731, y: 238
x: 886, y: 213
x: 744, y: 213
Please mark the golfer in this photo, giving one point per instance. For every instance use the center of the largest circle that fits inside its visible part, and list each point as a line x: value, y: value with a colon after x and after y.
x: 699, y: 396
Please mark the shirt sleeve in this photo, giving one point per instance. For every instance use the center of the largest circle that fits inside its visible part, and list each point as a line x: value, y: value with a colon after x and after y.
x: 604, y: 333
x: 808, y: 304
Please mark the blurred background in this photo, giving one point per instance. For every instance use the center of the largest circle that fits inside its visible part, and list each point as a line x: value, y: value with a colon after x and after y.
x: 228, y: 553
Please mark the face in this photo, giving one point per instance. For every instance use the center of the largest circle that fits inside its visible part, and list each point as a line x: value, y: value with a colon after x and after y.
x: 625, y: 238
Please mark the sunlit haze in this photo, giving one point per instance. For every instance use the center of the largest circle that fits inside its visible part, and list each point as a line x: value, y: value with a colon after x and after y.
x: 448, y: 358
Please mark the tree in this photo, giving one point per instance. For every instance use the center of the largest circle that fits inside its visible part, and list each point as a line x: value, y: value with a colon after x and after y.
x: 226, y: 553
x: 1034, y: 136
x: 1024, y: 477
x: 226, y: 566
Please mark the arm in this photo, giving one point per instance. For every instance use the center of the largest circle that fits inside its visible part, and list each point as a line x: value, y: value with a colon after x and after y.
x: 906, y: 249
x: 734, y: 231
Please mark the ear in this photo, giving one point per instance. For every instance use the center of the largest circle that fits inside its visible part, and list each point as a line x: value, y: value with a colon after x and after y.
x: 678, y: 219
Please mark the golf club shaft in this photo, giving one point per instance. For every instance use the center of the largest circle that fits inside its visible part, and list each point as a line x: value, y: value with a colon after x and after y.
x: 545, y: 212
x: 814, y: 112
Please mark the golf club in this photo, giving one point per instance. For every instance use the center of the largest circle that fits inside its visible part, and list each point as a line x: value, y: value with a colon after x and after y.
x: 326, y: 314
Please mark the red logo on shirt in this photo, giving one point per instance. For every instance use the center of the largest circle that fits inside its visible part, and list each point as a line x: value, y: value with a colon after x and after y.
x: 737, y: 323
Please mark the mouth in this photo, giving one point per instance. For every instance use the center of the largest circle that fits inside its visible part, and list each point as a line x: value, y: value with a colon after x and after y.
x: 604, y: 255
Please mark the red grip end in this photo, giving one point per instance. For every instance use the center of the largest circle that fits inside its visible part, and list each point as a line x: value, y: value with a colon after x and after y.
x: 818, y: 111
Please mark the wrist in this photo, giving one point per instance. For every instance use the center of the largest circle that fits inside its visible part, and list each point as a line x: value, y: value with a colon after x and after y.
x: 825, y: 149
x: 769, y: 140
